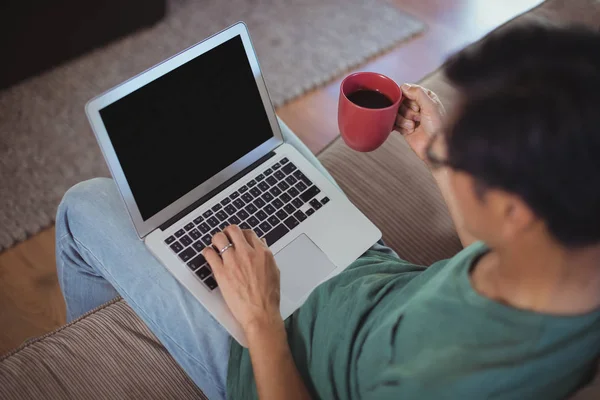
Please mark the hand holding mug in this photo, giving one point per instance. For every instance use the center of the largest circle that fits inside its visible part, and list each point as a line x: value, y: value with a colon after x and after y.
x: 420, y: 115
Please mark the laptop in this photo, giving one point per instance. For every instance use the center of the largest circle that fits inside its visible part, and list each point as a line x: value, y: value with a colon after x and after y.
x: 194, y: 145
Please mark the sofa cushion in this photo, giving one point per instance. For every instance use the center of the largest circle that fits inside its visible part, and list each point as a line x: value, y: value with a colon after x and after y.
x: 107, y: 354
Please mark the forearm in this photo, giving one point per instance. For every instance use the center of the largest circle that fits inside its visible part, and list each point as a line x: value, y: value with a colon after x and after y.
x: 275, y: 373
x: 443, y: 181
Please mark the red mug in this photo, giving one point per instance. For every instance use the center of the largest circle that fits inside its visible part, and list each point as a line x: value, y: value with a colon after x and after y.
x: 365, y: 129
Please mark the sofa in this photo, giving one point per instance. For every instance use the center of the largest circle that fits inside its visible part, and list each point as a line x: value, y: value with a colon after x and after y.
x: 110, y: 354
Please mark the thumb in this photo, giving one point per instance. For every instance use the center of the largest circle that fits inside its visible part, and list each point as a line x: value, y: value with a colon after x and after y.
x: 419, y: 94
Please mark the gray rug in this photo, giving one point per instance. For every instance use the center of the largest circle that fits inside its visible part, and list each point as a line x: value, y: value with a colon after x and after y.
x: 46, y: 145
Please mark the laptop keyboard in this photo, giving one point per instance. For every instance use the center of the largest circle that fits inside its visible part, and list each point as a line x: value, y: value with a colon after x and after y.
x: 272, y: 203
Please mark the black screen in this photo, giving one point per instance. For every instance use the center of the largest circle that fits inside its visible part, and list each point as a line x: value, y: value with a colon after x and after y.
x: 184, y: 127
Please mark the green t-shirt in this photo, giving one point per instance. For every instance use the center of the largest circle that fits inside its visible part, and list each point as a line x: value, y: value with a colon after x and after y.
x: 387, y: 329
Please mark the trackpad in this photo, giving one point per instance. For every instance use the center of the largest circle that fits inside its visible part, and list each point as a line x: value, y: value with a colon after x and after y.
x: 303, y: 266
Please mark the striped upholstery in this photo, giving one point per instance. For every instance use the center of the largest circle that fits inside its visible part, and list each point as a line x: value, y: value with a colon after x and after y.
x: 106, y: 354
x: 110, y: 354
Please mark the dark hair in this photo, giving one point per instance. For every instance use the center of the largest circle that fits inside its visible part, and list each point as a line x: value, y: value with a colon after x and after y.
x: 530, y: 123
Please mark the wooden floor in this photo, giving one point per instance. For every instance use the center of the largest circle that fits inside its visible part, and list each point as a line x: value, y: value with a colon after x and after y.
x: 30, y: 299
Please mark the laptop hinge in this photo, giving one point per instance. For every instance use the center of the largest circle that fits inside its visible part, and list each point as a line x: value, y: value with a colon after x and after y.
x: 215, y: 191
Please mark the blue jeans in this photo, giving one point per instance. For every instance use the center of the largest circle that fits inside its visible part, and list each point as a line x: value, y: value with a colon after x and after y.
x: 99, y: 256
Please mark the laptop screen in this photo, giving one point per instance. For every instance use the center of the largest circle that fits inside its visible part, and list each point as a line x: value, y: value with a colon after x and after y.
x: 181, y: 129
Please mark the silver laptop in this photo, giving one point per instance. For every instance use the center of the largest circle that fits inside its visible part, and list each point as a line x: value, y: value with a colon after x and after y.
x: 194, y: 145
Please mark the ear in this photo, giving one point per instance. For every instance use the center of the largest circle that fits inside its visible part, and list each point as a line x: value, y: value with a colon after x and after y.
x: 516, y: 216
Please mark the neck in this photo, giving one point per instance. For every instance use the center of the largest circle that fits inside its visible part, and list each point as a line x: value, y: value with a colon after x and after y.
x: 541, y: 276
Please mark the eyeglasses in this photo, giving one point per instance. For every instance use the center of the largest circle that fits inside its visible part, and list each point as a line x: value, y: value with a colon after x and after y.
x: 436, y: 144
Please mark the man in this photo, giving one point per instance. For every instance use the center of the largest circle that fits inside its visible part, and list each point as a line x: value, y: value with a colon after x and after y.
x: 513, y: 316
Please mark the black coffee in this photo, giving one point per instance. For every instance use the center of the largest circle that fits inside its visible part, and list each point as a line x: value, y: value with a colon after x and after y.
x: 370, y: 99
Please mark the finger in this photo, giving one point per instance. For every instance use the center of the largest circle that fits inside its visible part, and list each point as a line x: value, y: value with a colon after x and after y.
x: 413, y: 105
x: 420, y: 95
x: 213, y: 259
x: 409, y: 113
x: 219, y: 241
x: 257, y: 241
x: 405, y: 124
x: 248, y: 235
x: 237, y: 237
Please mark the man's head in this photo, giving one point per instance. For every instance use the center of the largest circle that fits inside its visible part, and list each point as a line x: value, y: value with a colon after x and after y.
x: 524, y: 145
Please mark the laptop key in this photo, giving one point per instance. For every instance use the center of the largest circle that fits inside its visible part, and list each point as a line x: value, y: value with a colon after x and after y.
x: 234, y: 195
x: 264, y: 186
x: 176, y: 247
x: 279, y: 175
x: 291, y: 180
x: 273, y: 220
x: 243, y: 189
x: 225, y: 201
x: 222, y: 215
x: 259, y: 203
x: 223, y: 225
x: 260, y: 177
x: 179, y: 233
x: 289, y: 168
x: 301, y: 187
x: 212, y: 221
x: 268, y: 171
x: 291, y: 223
x: 293, y: 192
x: 239, y: 203
x: 195, y: 234
x: 233, y: 220
x: 247, y: 197
x: 310, y: 193
x: 211, y: 283
x: 207, y: 213
x: 206, y: 240
x: 285, y: 197
x: 283, y: 186
x: 251, y: 208
x: 310, y: 212
x: 289, y: 208
x: 255, y: 191
x: 253, y: 221
x: 300, y: 216
x: 251, y: 183
x: 170, y: 239
x: 265, y: 226
x: 284, y: 160
x: 214, y: 232
x: 230, y: 209
x: 325, y: 200
x: 271, y: 180
x: 189, y: 226
x: 198, y: 220
x: 199, y: 246
x: 267, y: 197
x: 204, y: 227
x: 316, y: 204
x: 185, y: 240
x: 203, y: 272
x: 275, y: 191
x: 276, y: 166
x: 244, y: 225
x: 216, y: 207
x: 196, y: 262
x: 261, y: 215
x: 277, y: 233
x: 242, y: 215
x: 258, y: 232
x: 269, y: 209
x: 297, y: 202
x: 187, y: 254
x: 277, y: 203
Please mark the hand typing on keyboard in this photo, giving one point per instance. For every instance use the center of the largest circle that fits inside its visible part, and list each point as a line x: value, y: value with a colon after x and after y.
x: 248, y: 277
